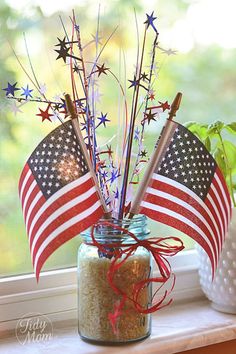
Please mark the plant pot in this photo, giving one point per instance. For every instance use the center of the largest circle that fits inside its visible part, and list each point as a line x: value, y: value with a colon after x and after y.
x: 222, y: 290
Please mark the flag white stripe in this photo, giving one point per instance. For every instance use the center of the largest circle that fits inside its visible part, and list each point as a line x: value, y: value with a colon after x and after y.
x: 192, y: 195
x: 27, y: 176
x: 63, y: 227
x: 29, y: 191
x: 218, y: 215
x: 221, y: 206
x: 59, y: 211
x: 180, y: 218
x: 56, y: 196
x: 218, y: 181
x: 185, y: 205
x: 32, y: 205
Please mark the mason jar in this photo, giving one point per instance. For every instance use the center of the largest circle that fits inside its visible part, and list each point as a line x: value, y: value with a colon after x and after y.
x: 97, y: 299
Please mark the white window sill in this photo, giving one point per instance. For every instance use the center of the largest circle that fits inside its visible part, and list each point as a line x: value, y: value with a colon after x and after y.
x: 175, y: 329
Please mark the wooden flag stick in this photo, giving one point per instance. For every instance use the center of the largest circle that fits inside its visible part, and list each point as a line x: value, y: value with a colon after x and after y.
x: 74, y: 118
x: 157, y: 155
x: 175, y: 105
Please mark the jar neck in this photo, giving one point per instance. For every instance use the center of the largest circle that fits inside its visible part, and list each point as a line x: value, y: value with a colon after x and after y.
x: 116, y: 230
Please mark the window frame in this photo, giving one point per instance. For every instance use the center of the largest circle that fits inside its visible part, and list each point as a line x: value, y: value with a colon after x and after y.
x: 56, y: 293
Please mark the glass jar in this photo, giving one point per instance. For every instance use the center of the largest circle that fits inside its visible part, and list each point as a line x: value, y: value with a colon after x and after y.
x: 97, y: 299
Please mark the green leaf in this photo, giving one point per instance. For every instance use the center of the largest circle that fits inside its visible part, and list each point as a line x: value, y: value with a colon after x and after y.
x: 207, y: 144
x: 190, y: 124
x: 200, y: 130
x: 219, y: 157
x: 230, y: 150
x: 231, y: 127
x: 215, y: 128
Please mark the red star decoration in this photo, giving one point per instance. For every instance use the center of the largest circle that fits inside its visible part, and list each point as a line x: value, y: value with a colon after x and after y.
x: 65, y: 113
x: 109, y: 151
x: 100, y: 164
x: 45, y: 114
x: 164, y: 105
x: 151, y: 96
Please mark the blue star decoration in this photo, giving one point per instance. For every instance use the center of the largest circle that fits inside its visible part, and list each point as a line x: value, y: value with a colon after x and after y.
x: 134, y: 82
x: 103, y: 119
x: 26, y: 92
x: 10, y: 89
x: 87, y: 124
x: 104, y: 175
x: 77, y: 27
x: 116, y: 193
x: 150, y: 20
x: 136, y: 133
x: 114, y: 175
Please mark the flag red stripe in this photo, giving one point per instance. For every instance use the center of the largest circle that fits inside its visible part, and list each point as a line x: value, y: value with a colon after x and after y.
x: 223, y: 204
x: 67, y: 215
x: 221, y: 177
x: 30, y: 200
x: 34, y: 211
x: 219, y: 223
x: 67, y: 235
x: 165, y: 187
x: 22, y: 176
x: 217, y: 204
x: 157, y: 200
x: 69, y: 195
x: 179, y: 225
x: 27, y: 186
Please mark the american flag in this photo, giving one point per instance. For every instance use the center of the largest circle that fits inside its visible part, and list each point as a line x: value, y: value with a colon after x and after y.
x: 188, y: 192
x: 58, y: 194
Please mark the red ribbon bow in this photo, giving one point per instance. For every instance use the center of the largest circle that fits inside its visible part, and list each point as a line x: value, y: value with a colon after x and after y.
x: 158, y: 247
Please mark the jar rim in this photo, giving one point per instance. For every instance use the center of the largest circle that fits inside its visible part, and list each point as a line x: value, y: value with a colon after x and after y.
x: 137, y: 225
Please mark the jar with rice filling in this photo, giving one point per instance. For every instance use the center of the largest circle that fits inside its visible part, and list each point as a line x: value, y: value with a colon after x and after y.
x: 109, y: 308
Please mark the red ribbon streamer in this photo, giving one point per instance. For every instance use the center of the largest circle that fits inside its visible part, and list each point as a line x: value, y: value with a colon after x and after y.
x: 158, y: 247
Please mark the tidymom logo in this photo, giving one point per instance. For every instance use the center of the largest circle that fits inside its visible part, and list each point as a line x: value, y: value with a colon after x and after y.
x: 34, y: 328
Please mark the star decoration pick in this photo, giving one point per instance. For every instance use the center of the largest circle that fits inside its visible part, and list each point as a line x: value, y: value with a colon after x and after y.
x: 114, y: 175
x: 134, y: 82
x: 101, y: 69
x: 109, y: 151
x: 77, y: 28
x: 76, y: 69
x: 143, y: 153
x: 103, y: 119
x: 14, y: 108
x: 10, y: 89
x: 86, y: 98
x: 144, y: 77
x: 63, y: 53
x: 168, y: 51
x: 149, y: 116
x: 45, y: 114
x: 62, y: 43
x: 150, y: 20
x: 26, y: 92
x: 164, y: 105
x: 43, y: 89
x: 96, y: 39
x: 151, y: 95
x: 136, y: 134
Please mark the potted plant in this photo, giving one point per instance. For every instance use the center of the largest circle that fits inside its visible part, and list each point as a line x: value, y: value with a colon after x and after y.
x: 219, y: 139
